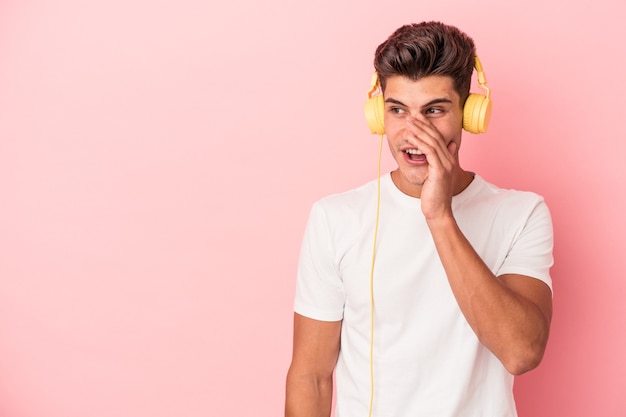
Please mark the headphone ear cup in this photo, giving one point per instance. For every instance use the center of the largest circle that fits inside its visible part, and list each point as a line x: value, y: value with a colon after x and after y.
x: 476, y: 113
x: 374, y: 114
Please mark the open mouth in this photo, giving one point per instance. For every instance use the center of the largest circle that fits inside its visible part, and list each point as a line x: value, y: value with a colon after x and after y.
x: 415, y: 155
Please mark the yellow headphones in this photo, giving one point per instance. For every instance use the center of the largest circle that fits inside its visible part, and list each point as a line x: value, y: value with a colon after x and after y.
x: 476, y: 111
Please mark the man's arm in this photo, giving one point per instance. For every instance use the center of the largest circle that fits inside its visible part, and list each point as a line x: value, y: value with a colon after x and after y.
x: 510, y: 314
x: 310, y: 377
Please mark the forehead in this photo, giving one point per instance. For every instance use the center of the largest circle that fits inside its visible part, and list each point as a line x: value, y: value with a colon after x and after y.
x: 421, y: 91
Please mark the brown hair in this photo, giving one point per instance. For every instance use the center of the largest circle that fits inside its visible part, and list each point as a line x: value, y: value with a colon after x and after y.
x: 428, y: 48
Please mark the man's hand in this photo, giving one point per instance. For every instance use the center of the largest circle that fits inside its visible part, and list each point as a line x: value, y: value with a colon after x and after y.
x: 443, y: 167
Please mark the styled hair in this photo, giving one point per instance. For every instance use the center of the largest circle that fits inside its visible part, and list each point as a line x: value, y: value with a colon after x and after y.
x: 428, y: 48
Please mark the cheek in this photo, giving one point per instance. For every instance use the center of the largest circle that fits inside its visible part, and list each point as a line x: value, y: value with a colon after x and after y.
x: 450, y: 128
x: 394, y: 126
x: 389, y: 123
x: 448, y: 131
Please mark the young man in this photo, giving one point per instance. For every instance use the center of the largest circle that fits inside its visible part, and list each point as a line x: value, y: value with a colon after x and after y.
x: 461, y: 286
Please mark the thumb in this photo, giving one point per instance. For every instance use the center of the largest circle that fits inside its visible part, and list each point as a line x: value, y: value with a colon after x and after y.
x: 453, y: 147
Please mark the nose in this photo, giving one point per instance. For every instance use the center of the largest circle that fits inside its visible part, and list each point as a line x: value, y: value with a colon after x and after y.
x: 415, y: 116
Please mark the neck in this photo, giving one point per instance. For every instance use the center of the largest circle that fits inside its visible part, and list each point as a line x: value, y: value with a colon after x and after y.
x: 462, y: 179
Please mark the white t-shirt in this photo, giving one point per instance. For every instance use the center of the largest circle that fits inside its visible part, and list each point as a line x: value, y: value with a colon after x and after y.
x: 427, y: 359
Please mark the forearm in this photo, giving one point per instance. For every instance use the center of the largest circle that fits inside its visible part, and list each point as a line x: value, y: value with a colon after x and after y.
x: 308, y: 396
x: 514, y: 328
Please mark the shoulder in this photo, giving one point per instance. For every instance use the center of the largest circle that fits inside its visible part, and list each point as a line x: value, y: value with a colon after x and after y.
x: 344, y: 213
x: 514, y: 200
x: 349, y: 201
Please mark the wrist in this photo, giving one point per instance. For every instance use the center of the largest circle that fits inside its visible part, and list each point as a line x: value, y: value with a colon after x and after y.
x: 442, y: 221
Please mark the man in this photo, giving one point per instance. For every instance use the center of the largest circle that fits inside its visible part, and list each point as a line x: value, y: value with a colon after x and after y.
x: 461, y: 292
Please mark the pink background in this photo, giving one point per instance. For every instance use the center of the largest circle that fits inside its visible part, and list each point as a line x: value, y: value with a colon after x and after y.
x: 158, y: 160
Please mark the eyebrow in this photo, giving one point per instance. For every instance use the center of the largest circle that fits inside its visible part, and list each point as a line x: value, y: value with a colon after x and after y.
x: 430, y: 103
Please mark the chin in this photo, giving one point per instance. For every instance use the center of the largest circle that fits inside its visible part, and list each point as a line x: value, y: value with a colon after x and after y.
x: 413, y: 177
x: 409, y: 179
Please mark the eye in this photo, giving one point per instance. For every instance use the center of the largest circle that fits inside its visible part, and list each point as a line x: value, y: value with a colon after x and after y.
x: 434, y: 111
x: 396, y: 110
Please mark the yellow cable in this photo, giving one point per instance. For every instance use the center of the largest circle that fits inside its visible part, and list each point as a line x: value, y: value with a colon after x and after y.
x: 371, y: 407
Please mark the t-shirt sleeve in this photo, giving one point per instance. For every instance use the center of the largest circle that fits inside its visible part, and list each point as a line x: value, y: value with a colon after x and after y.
x: 531, y: 251
x: 320, y: 292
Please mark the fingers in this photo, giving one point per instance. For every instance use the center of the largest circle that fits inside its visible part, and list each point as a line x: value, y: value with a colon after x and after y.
x: 429, y: 140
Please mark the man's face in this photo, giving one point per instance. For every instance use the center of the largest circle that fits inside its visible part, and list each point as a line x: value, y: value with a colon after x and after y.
x: 432, y: 100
